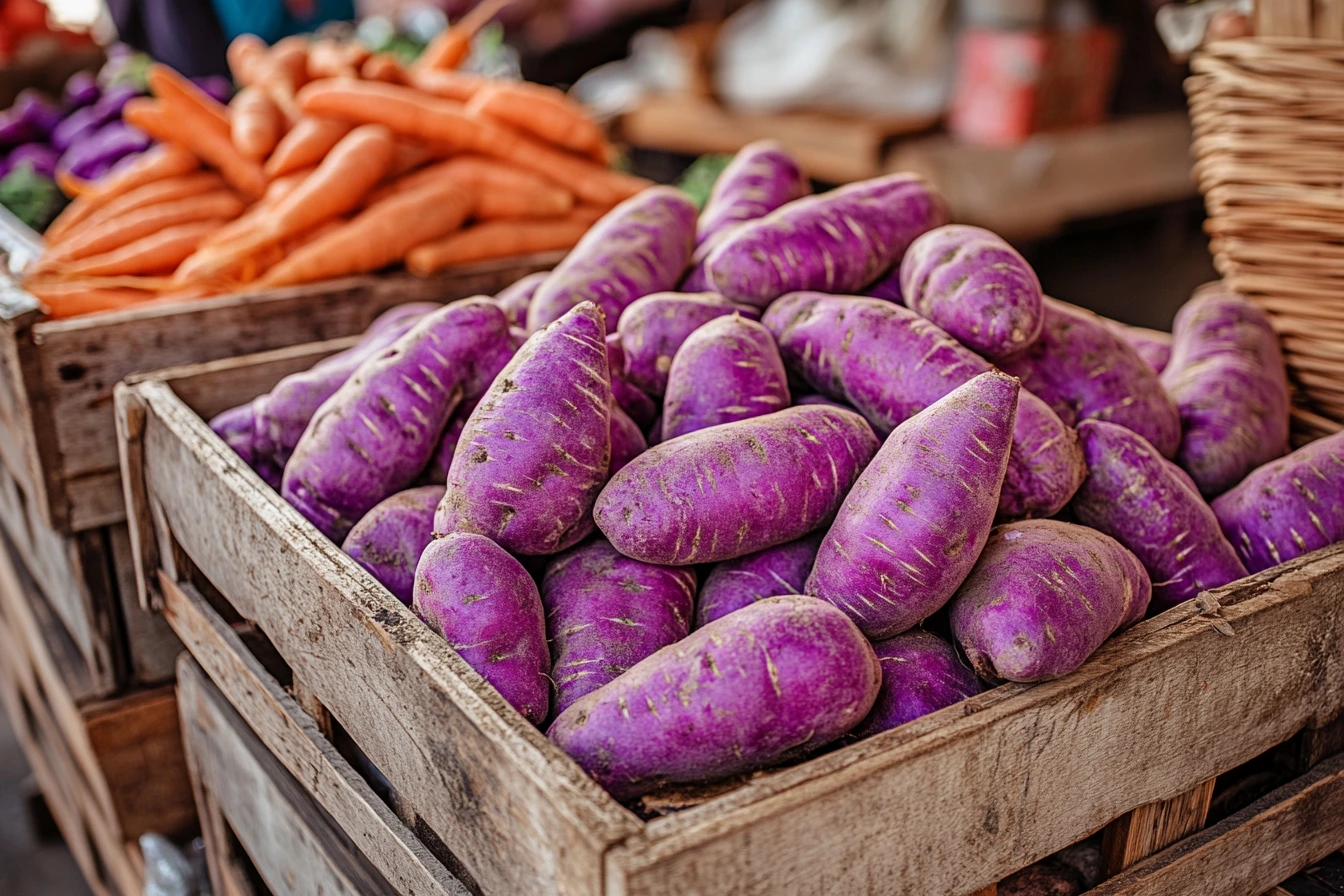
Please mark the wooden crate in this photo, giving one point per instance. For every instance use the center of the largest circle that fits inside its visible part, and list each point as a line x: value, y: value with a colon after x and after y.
x: 56, y: 376
x: 950, y: 803
x: 258, y: 821
x: 109, y: 770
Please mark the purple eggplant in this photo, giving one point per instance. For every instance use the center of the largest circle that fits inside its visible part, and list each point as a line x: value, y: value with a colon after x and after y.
x: 15, y: 130
x: 81, y: 90
x: 77, y: 125
x: 94, y: 155
x: 216, y: 87
x: 41, y: 113
x: 39, y: 156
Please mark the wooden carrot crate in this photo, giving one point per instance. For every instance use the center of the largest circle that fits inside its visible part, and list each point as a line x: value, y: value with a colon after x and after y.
x: 108, y: 770
x: 60, y: 486
x: 950, y: 803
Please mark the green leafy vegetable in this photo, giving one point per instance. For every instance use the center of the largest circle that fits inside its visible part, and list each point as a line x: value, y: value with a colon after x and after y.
x: 698, y: 179
x: 33, y: 198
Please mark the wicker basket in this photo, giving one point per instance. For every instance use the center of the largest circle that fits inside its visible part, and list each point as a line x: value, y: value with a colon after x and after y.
x: 1268, y: 117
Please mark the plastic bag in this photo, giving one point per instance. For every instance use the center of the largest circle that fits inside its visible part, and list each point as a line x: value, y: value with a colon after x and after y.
x: 885, y: 59
x: 168, y: 872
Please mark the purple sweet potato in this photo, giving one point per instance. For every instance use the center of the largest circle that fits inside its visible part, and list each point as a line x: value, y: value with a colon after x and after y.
x: 727, y: 370
x: 1153, y: 346
x: 627, y: 440
x: 606, y: 612
x: 1288, y: 507
x: 820, y: 399
x: 890, y: 364
x: 633, y: 400
x: 734, y: 584
x: 912, y: 527
x: 372, y: 438
x: 760, y: 178
x: 1085, y: 372
x: 452, y: 434
x: 975, y: 286
x: 284, y: 413
x: 653, y: 328
x: 486, y: 606
x: 237, y: 427
x: 515, y: 299
x: 735, y: 489
x: 836, y: 242
x: 536, y: 450
x: 390, y: 538
x: 638, y: 248
x: 654, y: 436
x: 1140, y: 499
x: 887, y: 287
x: 1227, y: 378
x: 921, y: 673
x: 1043, y: 597
x: 771, y: 682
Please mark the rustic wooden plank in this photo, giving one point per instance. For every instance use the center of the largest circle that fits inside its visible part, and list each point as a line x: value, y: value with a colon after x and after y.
x: 297, y: 744
x: 1031, y: 190
x: 1153, y: 827
x: 57, y: 567
x: 1283, y: 18
x: 150, y: 642
x: 138, y: 741
x: 1328, y: 20
x: 450, y: 746
x: 831, y: 148
x: 24, y: 411
x: 293, y: 844
x: 1246, y: 853
x: 79, y: 361
x: 1014, y: 772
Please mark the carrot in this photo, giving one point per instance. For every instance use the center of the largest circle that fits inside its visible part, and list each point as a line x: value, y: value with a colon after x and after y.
x: 335, y: 59
x: 162, y: 250
x: 218, y: 206
x: 383, y: 67
x: 502, y: 191
x: 444, y: 124
x: 190, y: 131
x: 72, y: 186
x: 74, y: 299
x: 285, y: 71
x: 543, y: 112
x: 178, y: 94
x: 306, y: 144
x: 378, y: 236
x: 409, y: 156
x: 167, y: 190
x: 545, y: 201
x: 451, y: 47
x: 278, y: 189
x: 335, y: 187
x: 255, y: 123
x: 449, y: 85
x: 162, y: 162
x: 246, y: 57
x: 501, y: 239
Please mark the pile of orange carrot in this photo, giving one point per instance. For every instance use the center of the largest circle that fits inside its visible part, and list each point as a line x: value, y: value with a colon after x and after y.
x: 330, y: 161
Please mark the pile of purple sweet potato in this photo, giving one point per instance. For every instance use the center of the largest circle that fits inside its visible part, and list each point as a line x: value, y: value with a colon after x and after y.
x: 725, y: 487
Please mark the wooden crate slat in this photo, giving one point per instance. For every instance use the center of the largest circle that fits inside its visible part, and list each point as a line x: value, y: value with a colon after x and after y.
x: 302, y: 749
x: 450, y: 746
x: 1248, y: 852
x: 295, y: 846
x: 1153, y: 827
x: 1015, y: 773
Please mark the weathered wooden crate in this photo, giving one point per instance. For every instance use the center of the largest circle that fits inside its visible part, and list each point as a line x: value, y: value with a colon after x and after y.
x: 950, y: 803
x: 108, y: 770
